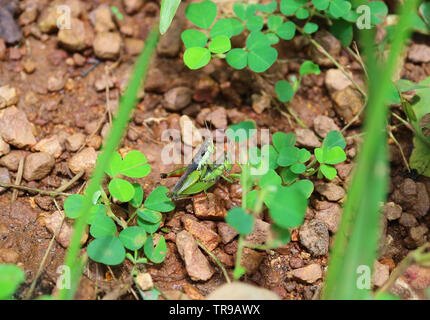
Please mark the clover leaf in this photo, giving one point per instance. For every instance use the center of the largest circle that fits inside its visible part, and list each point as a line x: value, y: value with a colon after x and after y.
x: 159, y: 201
x: 202, y: 14
x: 239, y: 220
x: 194, y: 38
x: 107, y: 250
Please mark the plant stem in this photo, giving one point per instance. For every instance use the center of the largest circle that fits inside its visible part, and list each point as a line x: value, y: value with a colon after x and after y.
x: 405, y: 161
x: 40, y: 191
x: 109, y: 211
x: 240, y: 246
x: 68, y: 184
x: 219, y: 264
x: 412, y: 128
x: 119, y: 126
x: 45, y: 256
x: 402, y: 267
x: 18, y: 179
x: 332, y: 59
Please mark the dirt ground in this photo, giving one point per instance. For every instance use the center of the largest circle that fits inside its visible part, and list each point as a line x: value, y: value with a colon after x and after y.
x: 60, y: 83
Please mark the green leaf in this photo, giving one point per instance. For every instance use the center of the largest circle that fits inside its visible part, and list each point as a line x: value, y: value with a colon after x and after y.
x: 96, y: 211
x: 305, y: 187
x: 257, y: 40
x: 227, y: 27
x: 240, y: 10
x: 133, y: 238
x: 424, y: 10
x: 321, y: 4
x: 298, y: 168
x: 159, y: 201
x: 281, y: 139
x: 328, y: 171
x: 339, y: 8
x: 241, y: 131
x: 304, y: 155
x: 319, y: 154
x: 241, y: 221
x: 334, y: 138
x: 420, y: 157
x: 289, y: 7
x: 270, y: 155
x: 310, y: 27
x: 379, y: 11
x: 259, y: 60
x: 11, y: 276
x: 281, y: 236
x: 407, y: 85
x: 251, y: 199
x: 308, y: 67
x: 149, y: 215
x: 274, y: 22
x: 254, y: 156
x: 342, y: 30
x: 107, y: 250
x: 103, y: 226
x: 288, y: 176
x: 135, y: 165
x: 121, y: 189
x: 286, y: 31
x: 237, y: 58
x: 288, y: 156
x: 284, y: 91
x: 255, y: 23
x: 196, y: 58
x: 273, y: 38
x: 114, y: 165
x: 302, y: 13
x: 194, y: 38
x: 137, y: 199
x: 73, y: 205
x: 251, y: 10
x: 267, y: 8
x: 220, y: 44
x: 287, y: 207
x: 157, y: 254
x: 149, y: 227
x: 334, y: 155
x: 270, y: 178
x: 202, y: 14
x: 167, y: 12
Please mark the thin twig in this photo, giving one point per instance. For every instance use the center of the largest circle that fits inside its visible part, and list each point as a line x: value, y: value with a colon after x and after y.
x: 337, y: 64
x: 402, y: 267
x: 68, y: 184
x: 46, y: 192
x: 42, y: 263
x: 390, y: 133
x: 18, y: 179
x: 53, y: 193
x: 219, y: 264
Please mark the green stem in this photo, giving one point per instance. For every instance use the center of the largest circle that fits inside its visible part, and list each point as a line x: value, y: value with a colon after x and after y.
x: 109, y: 211
x: 332, y: 59
x: 219, y: 264
x: 128, y: 102
x: 240, y: 246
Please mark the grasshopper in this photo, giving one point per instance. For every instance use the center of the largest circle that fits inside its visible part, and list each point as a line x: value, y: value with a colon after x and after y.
x: 200, y: 175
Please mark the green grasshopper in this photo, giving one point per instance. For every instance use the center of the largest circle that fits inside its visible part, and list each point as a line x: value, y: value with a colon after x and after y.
x: 200, y: 175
